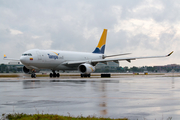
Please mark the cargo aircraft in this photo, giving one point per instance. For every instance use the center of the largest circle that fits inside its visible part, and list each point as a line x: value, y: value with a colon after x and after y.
x: 55, y: 60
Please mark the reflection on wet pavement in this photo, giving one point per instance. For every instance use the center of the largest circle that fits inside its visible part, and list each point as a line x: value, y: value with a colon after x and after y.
x: 133, y: 97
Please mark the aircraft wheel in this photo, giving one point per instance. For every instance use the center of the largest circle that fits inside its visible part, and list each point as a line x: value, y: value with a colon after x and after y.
x: 33, y: 75
x: 85, y: 75
x: 51, y: 75
x: 89, y: 75
x: 57, y: 75
x: 82, y: 75
x: 54, y: 75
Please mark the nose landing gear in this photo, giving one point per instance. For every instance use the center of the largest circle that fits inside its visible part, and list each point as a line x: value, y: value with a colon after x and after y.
x: 33, y: 75
x: 54, y: 74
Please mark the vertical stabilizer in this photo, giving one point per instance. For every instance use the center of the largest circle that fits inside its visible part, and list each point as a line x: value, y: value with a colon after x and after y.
x: 102, y: 42
x: 5, y: 56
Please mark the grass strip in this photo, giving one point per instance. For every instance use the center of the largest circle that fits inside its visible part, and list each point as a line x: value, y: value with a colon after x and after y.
x: 22, y: 116
x: 9, y: 75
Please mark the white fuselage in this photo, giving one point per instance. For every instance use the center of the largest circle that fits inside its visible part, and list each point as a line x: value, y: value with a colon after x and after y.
x: 55, y: 59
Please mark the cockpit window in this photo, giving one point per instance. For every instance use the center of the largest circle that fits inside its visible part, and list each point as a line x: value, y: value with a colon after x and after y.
x: 27, y: 54
x: 24, y: 54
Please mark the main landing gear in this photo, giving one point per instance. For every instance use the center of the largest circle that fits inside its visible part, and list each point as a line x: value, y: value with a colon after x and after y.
x: 85, y: 75
x: 54, y: 74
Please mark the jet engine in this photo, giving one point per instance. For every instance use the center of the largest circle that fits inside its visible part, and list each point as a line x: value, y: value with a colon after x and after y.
x: 31, y: 70
x: 86, y: 68
x: 25, y: 70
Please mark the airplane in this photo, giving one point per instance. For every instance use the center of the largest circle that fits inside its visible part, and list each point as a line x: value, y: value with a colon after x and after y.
x: 35, y: 59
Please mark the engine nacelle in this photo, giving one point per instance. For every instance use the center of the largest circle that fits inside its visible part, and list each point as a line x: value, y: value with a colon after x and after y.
x: 30, y: 70
x: 86, y: 68
x: 25, y: 70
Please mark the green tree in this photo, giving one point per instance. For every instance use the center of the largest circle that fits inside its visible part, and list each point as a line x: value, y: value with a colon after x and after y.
x: 134, y: 69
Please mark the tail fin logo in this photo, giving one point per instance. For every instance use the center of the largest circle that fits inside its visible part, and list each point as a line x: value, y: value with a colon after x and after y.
x: 102, y: 42
x: 5, y: 56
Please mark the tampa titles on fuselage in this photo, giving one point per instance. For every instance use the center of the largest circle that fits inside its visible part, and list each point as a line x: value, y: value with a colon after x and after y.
x: 53, y: 56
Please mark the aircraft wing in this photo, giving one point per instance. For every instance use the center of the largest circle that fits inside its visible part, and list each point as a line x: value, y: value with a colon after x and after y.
x: 113, y: 59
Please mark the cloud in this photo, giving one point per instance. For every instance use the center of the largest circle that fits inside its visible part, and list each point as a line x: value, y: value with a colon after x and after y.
x: 148, y: 6
x: 30, y: 46
x: 15, y: 32
x: 142, y: 27
x: 35, y: 37
x: 47, y: 44
x: 148, y: 27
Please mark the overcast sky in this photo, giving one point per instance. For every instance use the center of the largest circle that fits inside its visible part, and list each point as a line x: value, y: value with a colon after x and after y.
x: 141, y: 27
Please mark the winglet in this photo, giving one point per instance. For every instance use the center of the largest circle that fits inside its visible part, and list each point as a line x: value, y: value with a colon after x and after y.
x: 5, y: 56
x: 170, y: 53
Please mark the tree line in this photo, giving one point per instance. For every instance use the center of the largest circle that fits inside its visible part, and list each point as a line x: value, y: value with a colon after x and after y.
x: 167, y: 68
x: 139, y: 69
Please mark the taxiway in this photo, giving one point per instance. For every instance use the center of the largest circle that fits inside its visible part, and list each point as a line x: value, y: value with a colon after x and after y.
x: 134, y: 97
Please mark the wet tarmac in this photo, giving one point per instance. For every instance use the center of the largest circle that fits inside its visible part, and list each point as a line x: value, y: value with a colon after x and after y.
x: 147, y: 97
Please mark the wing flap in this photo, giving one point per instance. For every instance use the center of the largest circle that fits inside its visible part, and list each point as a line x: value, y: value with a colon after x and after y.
x: 74, y: 62
x: 106, y: 56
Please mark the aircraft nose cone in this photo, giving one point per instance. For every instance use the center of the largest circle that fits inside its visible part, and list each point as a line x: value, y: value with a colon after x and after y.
x: 23, y: 60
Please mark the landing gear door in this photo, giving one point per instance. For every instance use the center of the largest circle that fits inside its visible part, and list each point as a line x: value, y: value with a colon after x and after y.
x: 39, y: 55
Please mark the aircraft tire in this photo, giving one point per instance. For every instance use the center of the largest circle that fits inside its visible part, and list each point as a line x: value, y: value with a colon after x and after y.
x: 54, y: 75
x: 89, y: 75
x: 81, y: 75
x: 105, y: 75
x: 50, y: 75
x: 85, y: 75
x: 57, y: 75
x: 33, y: 75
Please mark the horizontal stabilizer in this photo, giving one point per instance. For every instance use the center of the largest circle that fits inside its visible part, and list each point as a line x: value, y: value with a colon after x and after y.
x: 5, y: 56
x: 13, y: 59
